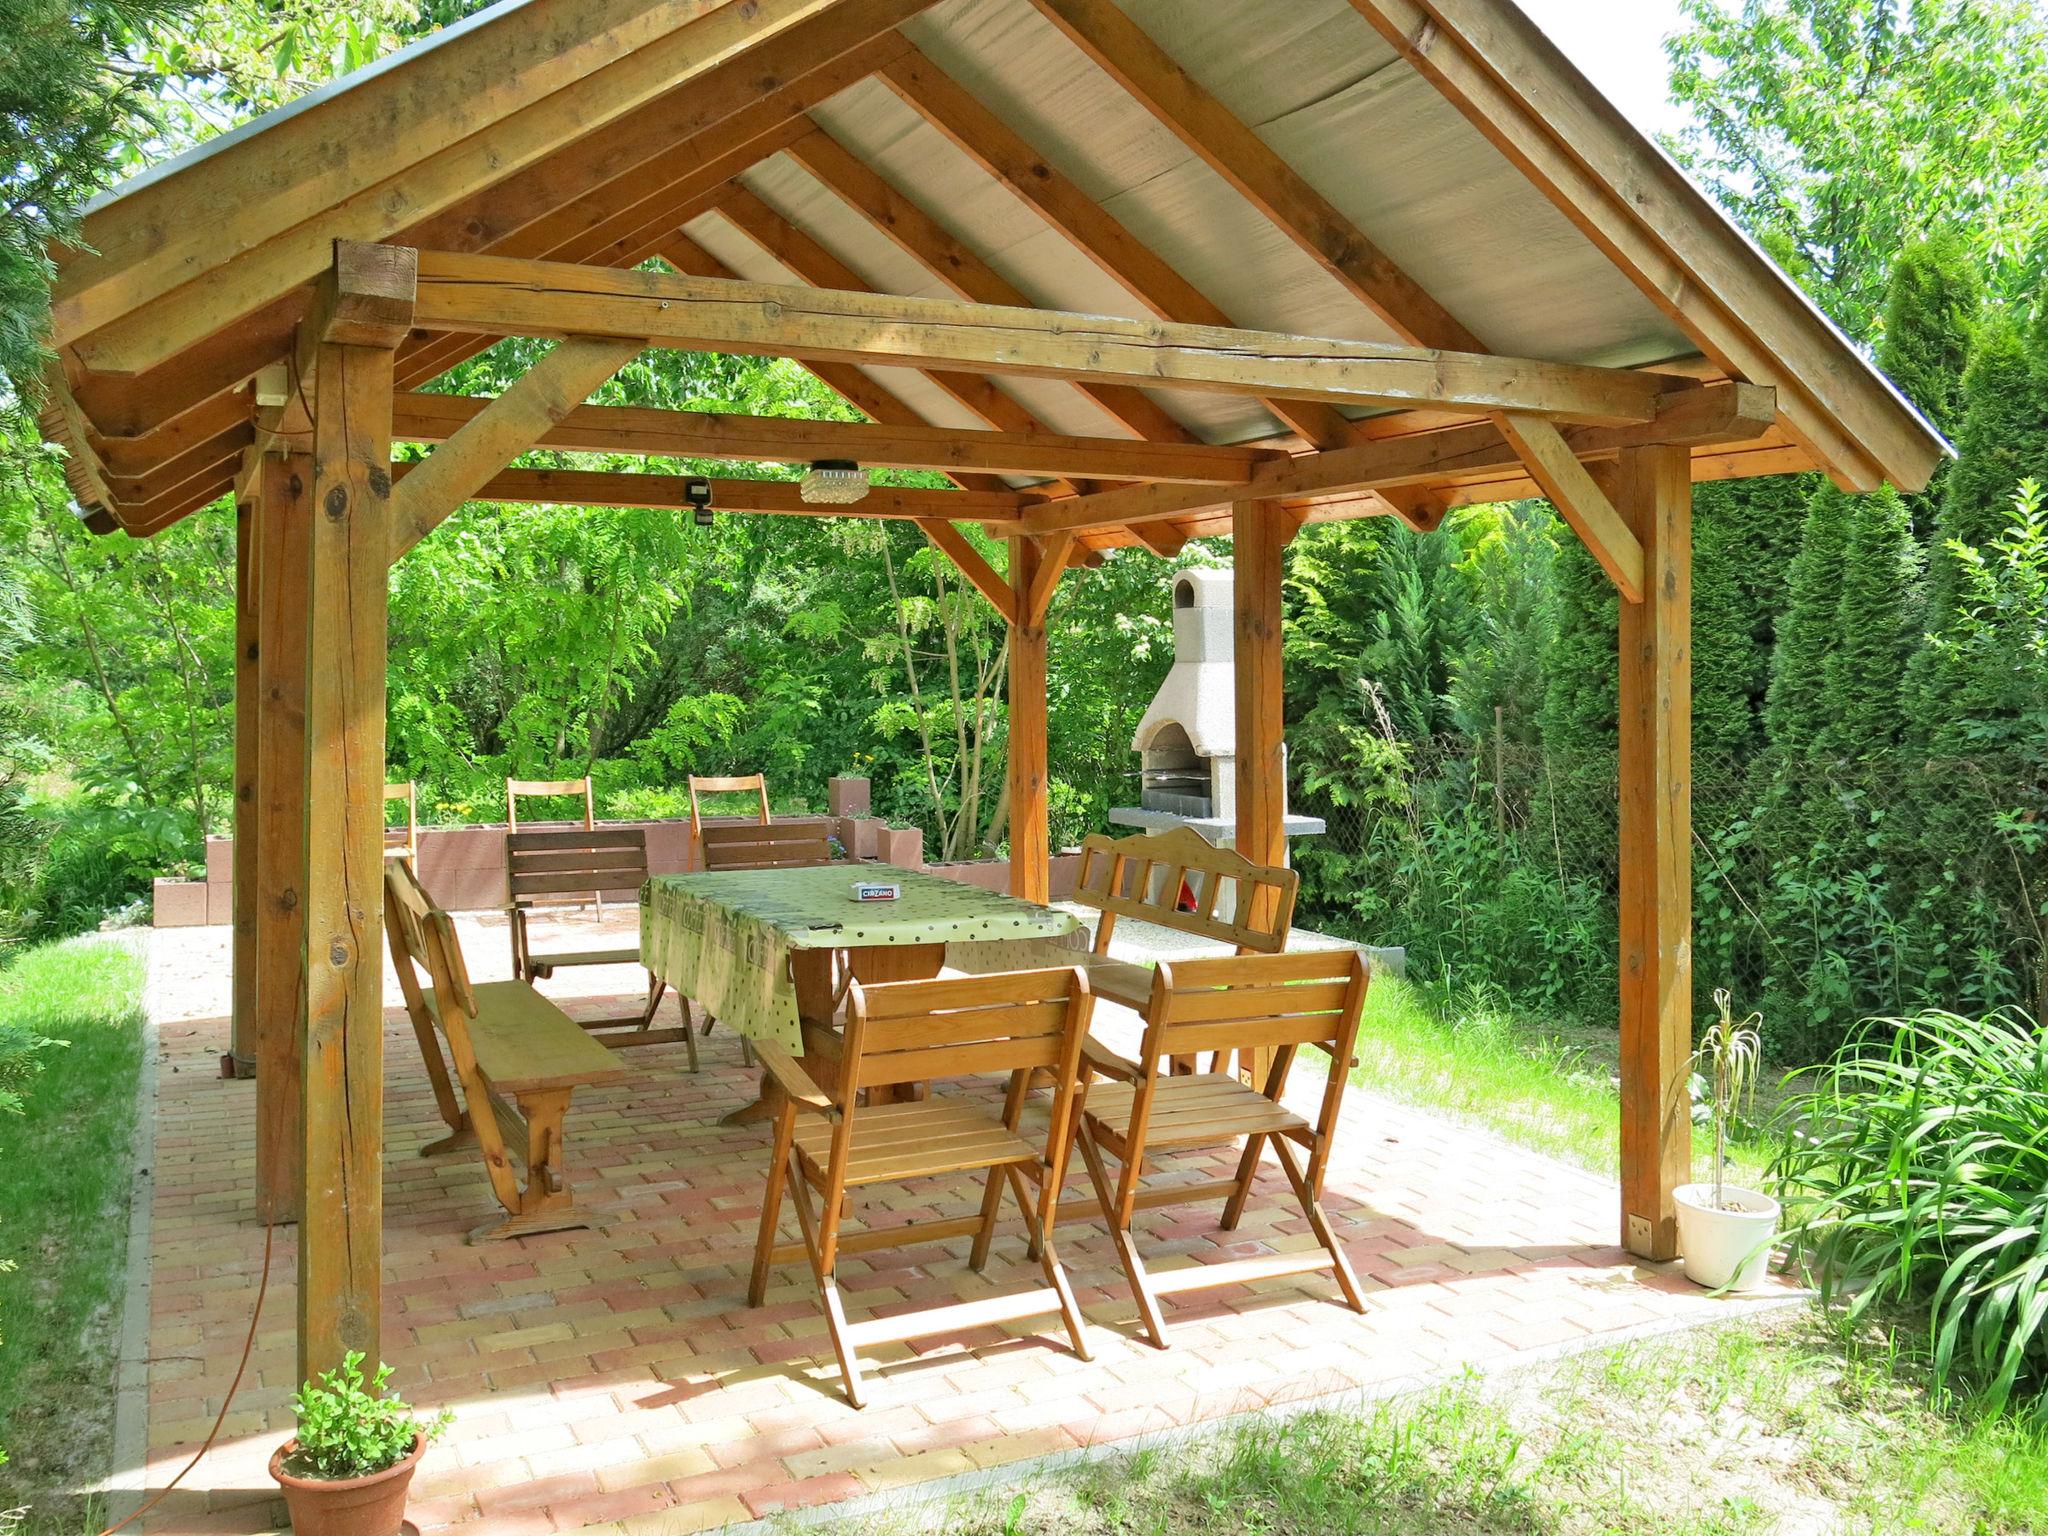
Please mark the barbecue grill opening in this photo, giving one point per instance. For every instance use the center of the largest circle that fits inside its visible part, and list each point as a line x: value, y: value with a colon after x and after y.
x: 1174, y: 776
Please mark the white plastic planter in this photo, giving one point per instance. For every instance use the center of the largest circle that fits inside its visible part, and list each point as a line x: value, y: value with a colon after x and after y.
x: 1725, y: 1248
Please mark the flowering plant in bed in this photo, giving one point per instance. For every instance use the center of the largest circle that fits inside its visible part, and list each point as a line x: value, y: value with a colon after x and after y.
x: 347, y: 1470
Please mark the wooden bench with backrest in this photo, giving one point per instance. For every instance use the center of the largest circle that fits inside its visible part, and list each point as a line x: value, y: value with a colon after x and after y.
x: 575, y: 866
x: 517, y: 1056
x: 1244, y: 1003
x: 1004, y: 1027
x: 1178, y: 879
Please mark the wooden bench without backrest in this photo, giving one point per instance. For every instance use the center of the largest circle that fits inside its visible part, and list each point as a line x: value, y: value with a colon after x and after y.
x: 549, y: 868
x: 518, y: 1057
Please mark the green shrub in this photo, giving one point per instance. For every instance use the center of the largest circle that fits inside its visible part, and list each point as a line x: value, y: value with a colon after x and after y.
x: 349, y: 1430
x: 1917, y: 1172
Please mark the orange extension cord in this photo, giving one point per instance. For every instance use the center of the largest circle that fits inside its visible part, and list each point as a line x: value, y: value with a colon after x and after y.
x: 248, y: 1347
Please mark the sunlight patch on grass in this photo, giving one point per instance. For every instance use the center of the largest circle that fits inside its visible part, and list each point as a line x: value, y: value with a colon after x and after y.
x: 1470, y: 1058
x: 64, y: 1216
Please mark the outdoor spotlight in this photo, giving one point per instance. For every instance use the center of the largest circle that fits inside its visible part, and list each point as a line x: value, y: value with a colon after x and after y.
x: 697, y: 492
x: 833, y: 483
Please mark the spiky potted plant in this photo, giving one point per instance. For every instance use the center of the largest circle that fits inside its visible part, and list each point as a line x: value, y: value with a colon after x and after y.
x: 347, y: 1470
x: 1724, y: 1230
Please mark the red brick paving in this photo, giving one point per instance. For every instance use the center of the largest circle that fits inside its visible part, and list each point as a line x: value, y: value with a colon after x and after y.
x: 614, y: 1378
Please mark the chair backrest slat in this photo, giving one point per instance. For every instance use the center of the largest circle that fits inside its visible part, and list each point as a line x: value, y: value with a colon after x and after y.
x: 1250, y: 1002
x: 776, y: 845
x: 1143, y: 877
x: 423, y: 938
x: 533, y: 789
x: 906, y: 1032
x: 575, y: 863
x: 726, y: 784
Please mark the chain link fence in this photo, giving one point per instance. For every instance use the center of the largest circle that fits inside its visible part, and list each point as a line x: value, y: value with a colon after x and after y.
x: 1824, y: 892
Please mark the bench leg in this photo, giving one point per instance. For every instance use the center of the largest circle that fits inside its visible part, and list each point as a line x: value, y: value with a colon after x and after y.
x: 544, y: 1204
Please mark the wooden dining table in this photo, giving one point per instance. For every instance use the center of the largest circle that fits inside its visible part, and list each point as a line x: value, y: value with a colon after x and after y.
x: 768, y: 952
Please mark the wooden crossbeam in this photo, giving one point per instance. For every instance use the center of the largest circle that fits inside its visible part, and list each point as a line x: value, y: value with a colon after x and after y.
x: 512, y: 297
x: 811, y: 261
x: 212, y: 293
x: 1004, y: 154
x: 1710, y: 413
x: 499, y: 433
x: 429, y: 418
x: 605, y: 488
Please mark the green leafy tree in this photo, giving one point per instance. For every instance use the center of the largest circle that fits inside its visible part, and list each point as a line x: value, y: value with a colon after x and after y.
x: 1876, y: 626
x: 1727, y: 661
x: 1502, y: 672
x: 1421, y: 623
x: 1796, y: 706
x: 1840, y: 131
x: 1581, y: 706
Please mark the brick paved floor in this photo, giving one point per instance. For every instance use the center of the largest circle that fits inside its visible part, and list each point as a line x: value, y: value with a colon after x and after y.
x: 615, y: 1377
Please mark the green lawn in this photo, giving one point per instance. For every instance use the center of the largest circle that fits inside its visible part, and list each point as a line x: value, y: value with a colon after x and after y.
x: 1474, y: 1061
x: 65, y: 1172
x: 1726, y: 1432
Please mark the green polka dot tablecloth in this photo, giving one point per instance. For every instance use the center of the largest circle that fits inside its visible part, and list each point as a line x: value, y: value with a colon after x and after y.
x: 723, y: 939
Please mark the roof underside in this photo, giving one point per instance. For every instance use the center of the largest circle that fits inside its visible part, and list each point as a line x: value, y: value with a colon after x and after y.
x: 1317, y: 81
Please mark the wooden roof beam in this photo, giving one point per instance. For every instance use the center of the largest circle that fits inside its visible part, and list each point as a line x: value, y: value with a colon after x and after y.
x: 603, y: 488
x: 1712, y: 413
x: 430, y: 418
x: 970, y: 562
x: 510, y: 297
x: 1004, y: 154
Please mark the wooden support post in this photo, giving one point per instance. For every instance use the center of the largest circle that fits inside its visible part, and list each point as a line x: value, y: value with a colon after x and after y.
x: 1653, y: 493
x: 1260, y: 531
x: 349, y: 555
x: 284, y: 502
x: 1030, y: 812
x: 240, y: 1060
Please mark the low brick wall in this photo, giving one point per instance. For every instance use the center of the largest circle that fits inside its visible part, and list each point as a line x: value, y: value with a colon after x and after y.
x: 463, y: 868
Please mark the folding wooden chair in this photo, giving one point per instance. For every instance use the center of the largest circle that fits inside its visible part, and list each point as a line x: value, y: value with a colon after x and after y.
x: 544, y: 869
x: 1239, y: 1003
x: 828, y: 1142
x: 404, y: 841
x: 730, y: 784
x: 552, y: 789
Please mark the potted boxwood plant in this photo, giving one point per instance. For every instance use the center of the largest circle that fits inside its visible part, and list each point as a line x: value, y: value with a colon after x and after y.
x: 1724, y: 1230
x: 346, y: 1472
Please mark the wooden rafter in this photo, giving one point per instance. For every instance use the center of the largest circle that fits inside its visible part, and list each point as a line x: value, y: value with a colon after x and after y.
x: 430, y: 418
x: 512, y: 297
x: 811, y: 261
x: 124, y: 330
x: 928, y: 243
x: 1088, y: 227
x: 1515, y: 87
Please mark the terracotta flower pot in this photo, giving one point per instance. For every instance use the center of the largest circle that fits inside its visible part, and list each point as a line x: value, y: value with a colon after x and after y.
x: 347, y: 1506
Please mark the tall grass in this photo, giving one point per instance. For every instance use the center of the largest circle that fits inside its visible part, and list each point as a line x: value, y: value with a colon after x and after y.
x: 64, y: 1181
x: 1916, y: 1173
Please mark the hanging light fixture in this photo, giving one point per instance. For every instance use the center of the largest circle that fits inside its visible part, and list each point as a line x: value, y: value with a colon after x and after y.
x: 697, y: 492
x: 833, y: 483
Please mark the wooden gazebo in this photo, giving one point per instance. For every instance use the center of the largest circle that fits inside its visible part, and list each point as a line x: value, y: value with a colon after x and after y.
x: 1127, y: 272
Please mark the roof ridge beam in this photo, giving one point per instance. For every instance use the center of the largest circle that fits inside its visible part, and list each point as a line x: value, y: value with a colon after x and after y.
x: 513, y: 297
